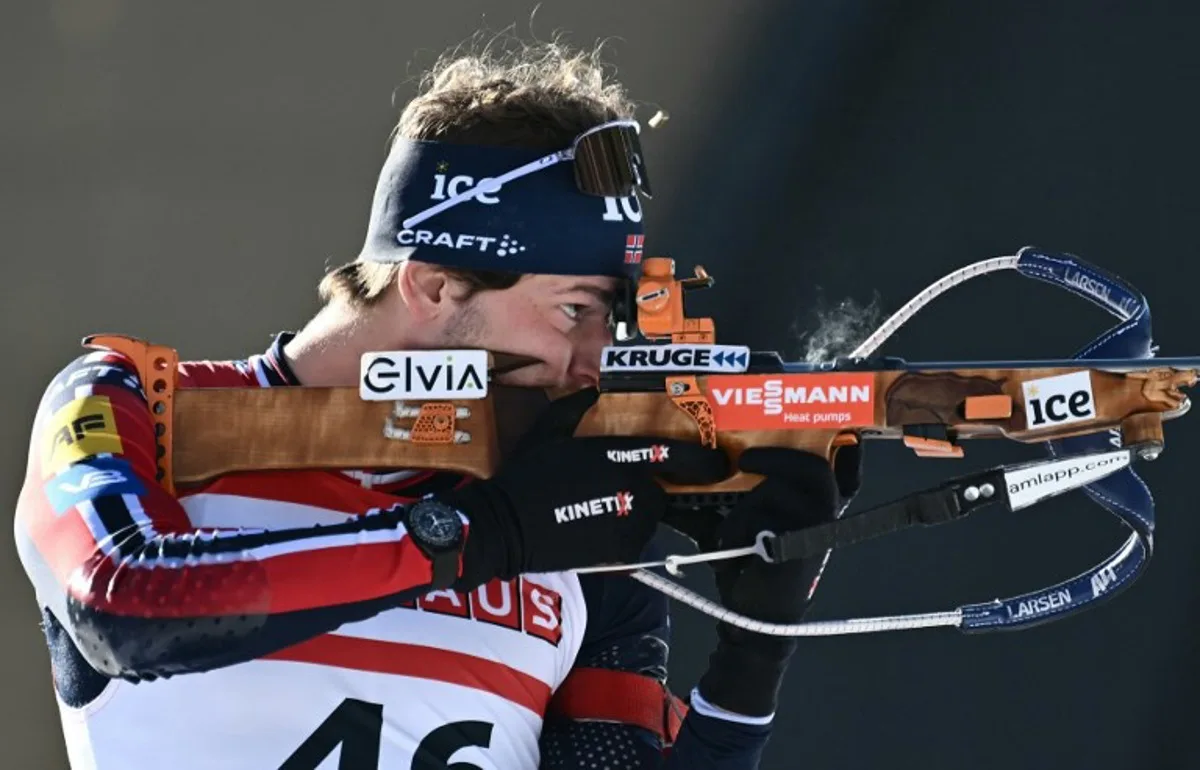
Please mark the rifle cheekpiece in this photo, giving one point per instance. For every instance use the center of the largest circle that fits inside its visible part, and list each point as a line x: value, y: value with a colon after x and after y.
x: 1095, y: 414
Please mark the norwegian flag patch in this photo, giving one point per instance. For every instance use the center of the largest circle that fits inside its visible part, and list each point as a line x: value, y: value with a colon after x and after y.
x: 633, y: 249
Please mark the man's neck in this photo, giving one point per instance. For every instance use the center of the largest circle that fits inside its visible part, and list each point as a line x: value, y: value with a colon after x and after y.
x: 328, y: 350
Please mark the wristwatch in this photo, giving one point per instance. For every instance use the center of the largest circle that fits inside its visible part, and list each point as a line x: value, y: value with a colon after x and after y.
x: 437, y: 529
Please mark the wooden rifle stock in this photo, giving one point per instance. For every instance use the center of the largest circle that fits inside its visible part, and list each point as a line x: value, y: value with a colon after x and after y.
x: 210, y: 432
x: 204, y: 433
x: 930, y: 410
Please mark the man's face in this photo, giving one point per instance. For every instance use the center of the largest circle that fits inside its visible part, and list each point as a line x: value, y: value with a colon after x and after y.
x: 560, y: 320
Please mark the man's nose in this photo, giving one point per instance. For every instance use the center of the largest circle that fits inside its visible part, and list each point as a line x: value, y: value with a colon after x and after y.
x: 585, y: 360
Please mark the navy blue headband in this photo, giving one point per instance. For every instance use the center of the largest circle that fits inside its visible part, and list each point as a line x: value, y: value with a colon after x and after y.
x: 539, y: 223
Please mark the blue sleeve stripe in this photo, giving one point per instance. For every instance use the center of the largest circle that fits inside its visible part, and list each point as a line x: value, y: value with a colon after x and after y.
x: 91, y: 479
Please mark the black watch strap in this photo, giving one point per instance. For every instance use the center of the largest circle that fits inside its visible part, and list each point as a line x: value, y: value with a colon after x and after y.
x: 445, y: 568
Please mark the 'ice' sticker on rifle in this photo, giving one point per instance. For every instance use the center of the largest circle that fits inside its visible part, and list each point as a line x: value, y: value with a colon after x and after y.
x: 423, y: 374
x: 1059, y: 400
x: 792, y: 401
x: 1033, y: 483
x: 675, y: 358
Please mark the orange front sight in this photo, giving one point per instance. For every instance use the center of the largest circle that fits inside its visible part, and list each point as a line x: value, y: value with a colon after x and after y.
x: 660, y: 309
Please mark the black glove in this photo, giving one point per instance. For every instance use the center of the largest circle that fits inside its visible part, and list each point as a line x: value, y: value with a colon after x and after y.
x: 848, y: 471
x: 560, y: 502
x: 799, y: 490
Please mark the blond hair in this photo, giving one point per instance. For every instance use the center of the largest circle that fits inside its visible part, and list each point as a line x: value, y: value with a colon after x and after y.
x: 539, y: 95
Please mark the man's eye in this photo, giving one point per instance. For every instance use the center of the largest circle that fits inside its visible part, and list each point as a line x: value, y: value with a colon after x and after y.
x: 572, y: 311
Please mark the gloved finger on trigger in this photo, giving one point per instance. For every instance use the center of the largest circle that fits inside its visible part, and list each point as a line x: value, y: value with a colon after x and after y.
x: 785, y: 462
x: 799, y: 486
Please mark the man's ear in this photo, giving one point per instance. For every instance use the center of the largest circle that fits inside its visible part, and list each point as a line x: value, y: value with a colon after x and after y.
x: 425, y: 289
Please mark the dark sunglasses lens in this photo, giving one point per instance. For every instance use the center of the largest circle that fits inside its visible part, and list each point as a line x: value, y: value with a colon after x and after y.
x: 637, y: 163
x: 609, y: 162
x: 623, y: 315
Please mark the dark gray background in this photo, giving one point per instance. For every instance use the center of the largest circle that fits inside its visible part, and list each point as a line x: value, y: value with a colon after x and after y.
x: 185, y: 171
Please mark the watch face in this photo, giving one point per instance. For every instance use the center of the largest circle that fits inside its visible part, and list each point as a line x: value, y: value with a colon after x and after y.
x: 436, y: 524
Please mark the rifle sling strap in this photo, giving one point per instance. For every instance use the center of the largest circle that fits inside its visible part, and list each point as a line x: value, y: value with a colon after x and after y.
x: 947, y: 502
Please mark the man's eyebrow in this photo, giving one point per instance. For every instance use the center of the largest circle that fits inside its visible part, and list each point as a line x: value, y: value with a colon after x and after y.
x: 604, y: 295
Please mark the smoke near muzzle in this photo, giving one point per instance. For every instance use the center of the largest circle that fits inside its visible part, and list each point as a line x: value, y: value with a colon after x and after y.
x: 836, y: 329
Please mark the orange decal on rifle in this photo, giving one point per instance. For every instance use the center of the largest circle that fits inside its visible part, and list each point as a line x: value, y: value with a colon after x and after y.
x: 932, y: 447
x: 434, y: 424
x: 685, y: 394
x: 994, y: 407
x: 792, y: 401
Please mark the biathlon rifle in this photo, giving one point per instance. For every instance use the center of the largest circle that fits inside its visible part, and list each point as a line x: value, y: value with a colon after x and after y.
x: 1096, y: 413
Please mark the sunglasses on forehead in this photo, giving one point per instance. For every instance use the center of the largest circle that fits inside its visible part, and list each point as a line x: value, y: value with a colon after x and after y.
x: 607, y: 160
